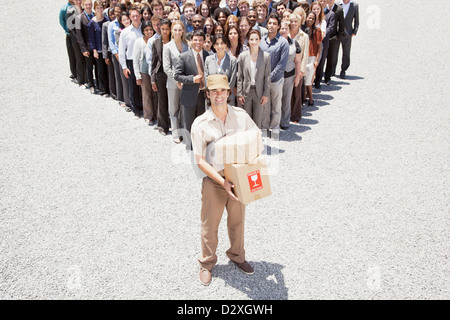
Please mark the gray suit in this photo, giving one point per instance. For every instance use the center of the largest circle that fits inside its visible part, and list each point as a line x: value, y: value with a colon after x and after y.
x: 229, y: 68
x: 192, y: 99
x: 351, y: 24
x: 253, y: 94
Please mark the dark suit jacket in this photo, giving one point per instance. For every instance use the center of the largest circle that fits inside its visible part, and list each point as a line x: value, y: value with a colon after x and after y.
x: 82, y: 33
x: 351, y: 21
x: 292, y: 5
x: 338, y: 30
x: 185, y: 70
x: 329, y: 18
x: 157, y: 59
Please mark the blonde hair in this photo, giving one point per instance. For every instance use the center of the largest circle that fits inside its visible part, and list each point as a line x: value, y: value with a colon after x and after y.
x: 176, y: 23
x: 174, y: 13
x: 300, y: 12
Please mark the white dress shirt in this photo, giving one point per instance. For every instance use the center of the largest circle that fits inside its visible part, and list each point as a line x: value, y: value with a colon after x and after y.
x: 126, y: 44
x: 149, y: 53
x: 345, y: 7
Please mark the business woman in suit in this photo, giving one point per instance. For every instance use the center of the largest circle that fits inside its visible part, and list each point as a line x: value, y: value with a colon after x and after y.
x: 222, y: 63
x: 351, y: 25
x: 253, y: 78
x: 189, y: 71
x: 171, y: 54
x: 159, y: 78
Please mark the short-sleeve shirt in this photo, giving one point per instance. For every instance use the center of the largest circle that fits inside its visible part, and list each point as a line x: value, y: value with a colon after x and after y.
x: 208, y: 128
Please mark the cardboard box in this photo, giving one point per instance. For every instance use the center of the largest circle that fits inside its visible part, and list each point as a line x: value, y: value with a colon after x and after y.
x: 251, y: 181
x: 239, y: 148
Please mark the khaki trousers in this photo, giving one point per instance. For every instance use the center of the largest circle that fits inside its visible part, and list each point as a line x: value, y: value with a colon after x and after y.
x: 214, y: 200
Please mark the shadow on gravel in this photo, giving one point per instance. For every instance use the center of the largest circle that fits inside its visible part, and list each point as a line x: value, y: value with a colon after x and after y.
x: 354, y: 77
x: 266, y: 284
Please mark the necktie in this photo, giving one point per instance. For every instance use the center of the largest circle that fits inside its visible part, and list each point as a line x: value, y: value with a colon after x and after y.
x: 200, y: 69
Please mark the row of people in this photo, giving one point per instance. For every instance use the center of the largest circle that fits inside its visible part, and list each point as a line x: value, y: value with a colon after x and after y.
x: 136, y: 53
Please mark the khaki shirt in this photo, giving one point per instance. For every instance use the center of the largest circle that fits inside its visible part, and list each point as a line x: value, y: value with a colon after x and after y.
x: 208, y: 128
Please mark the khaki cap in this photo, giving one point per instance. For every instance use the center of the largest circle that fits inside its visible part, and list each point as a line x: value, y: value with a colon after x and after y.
x: 217, y: 81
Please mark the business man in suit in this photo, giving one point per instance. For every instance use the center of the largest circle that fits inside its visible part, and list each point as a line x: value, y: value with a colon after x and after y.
x: 351, y: 24
x: 107, y: 55
x: 336, y: 35
x: 83, y: 41
x: 253, y: 91
x: 190, y: 72
x: 329, y: 18
x: 159, y: 77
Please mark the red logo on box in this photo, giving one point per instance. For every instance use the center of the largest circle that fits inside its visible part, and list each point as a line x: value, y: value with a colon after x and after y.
x: 254, y: 181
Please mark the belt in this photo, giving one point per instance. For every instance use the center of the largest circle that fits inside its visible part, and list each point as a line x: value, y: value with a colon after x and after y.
x: 253, y: 86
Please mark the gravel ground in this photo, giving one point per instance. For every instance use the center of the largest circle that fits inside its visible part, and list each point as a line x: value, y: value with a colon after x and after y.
x: 97, y: 205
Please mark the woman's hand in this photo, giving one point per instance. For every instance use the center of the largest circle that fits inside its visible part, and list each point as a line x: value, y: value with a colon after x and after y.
x: 95, y: 54
x: 241, y: 99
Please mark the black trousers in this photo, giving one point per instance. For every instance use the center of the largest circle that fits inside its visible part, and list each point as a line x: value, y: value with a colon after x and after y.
x: 72, y: 58
x: 332, y: 58
x: 80, y: 62
x: 90, y: 64
x: 319, y: 70
x: 346, y: 48
x: 102, y: 74
x: 190, y: 113
x: 111, y: 77
x: 134, y: 91
x: 163, y: 102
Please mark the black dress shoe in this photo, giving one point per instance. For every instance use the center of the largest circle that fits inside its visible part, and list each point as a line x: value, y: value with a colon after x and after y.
x: 342, y: 75
x: 310, y: 102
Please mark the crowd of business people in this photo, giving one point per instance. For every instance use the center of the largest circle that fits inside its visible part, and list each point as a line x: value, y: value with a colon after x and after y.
x: 154, y: 57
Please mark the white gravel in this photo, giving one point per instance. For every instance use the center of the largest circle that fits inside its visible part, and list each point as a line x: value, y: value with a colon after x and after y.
x: 97, y: 205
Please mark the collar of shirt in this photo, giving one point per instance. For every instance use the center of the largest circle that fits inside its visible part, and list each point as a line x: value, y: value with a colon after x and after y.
x: 197, y: 53
x: 211, y: 116
x: 89, y: 16
x: 133, y: 28
x: 274, y: 40
x: 219, y: 65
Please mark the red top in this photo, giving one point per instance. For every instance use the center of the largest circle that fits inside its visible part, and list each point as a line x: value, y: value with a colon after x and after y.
x: 314, y: 45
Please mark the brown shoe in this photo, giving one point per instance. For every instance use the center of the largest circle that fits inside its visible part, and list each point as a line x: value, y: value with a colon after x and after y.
x: 205, y: 276
x: 245, y: 267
